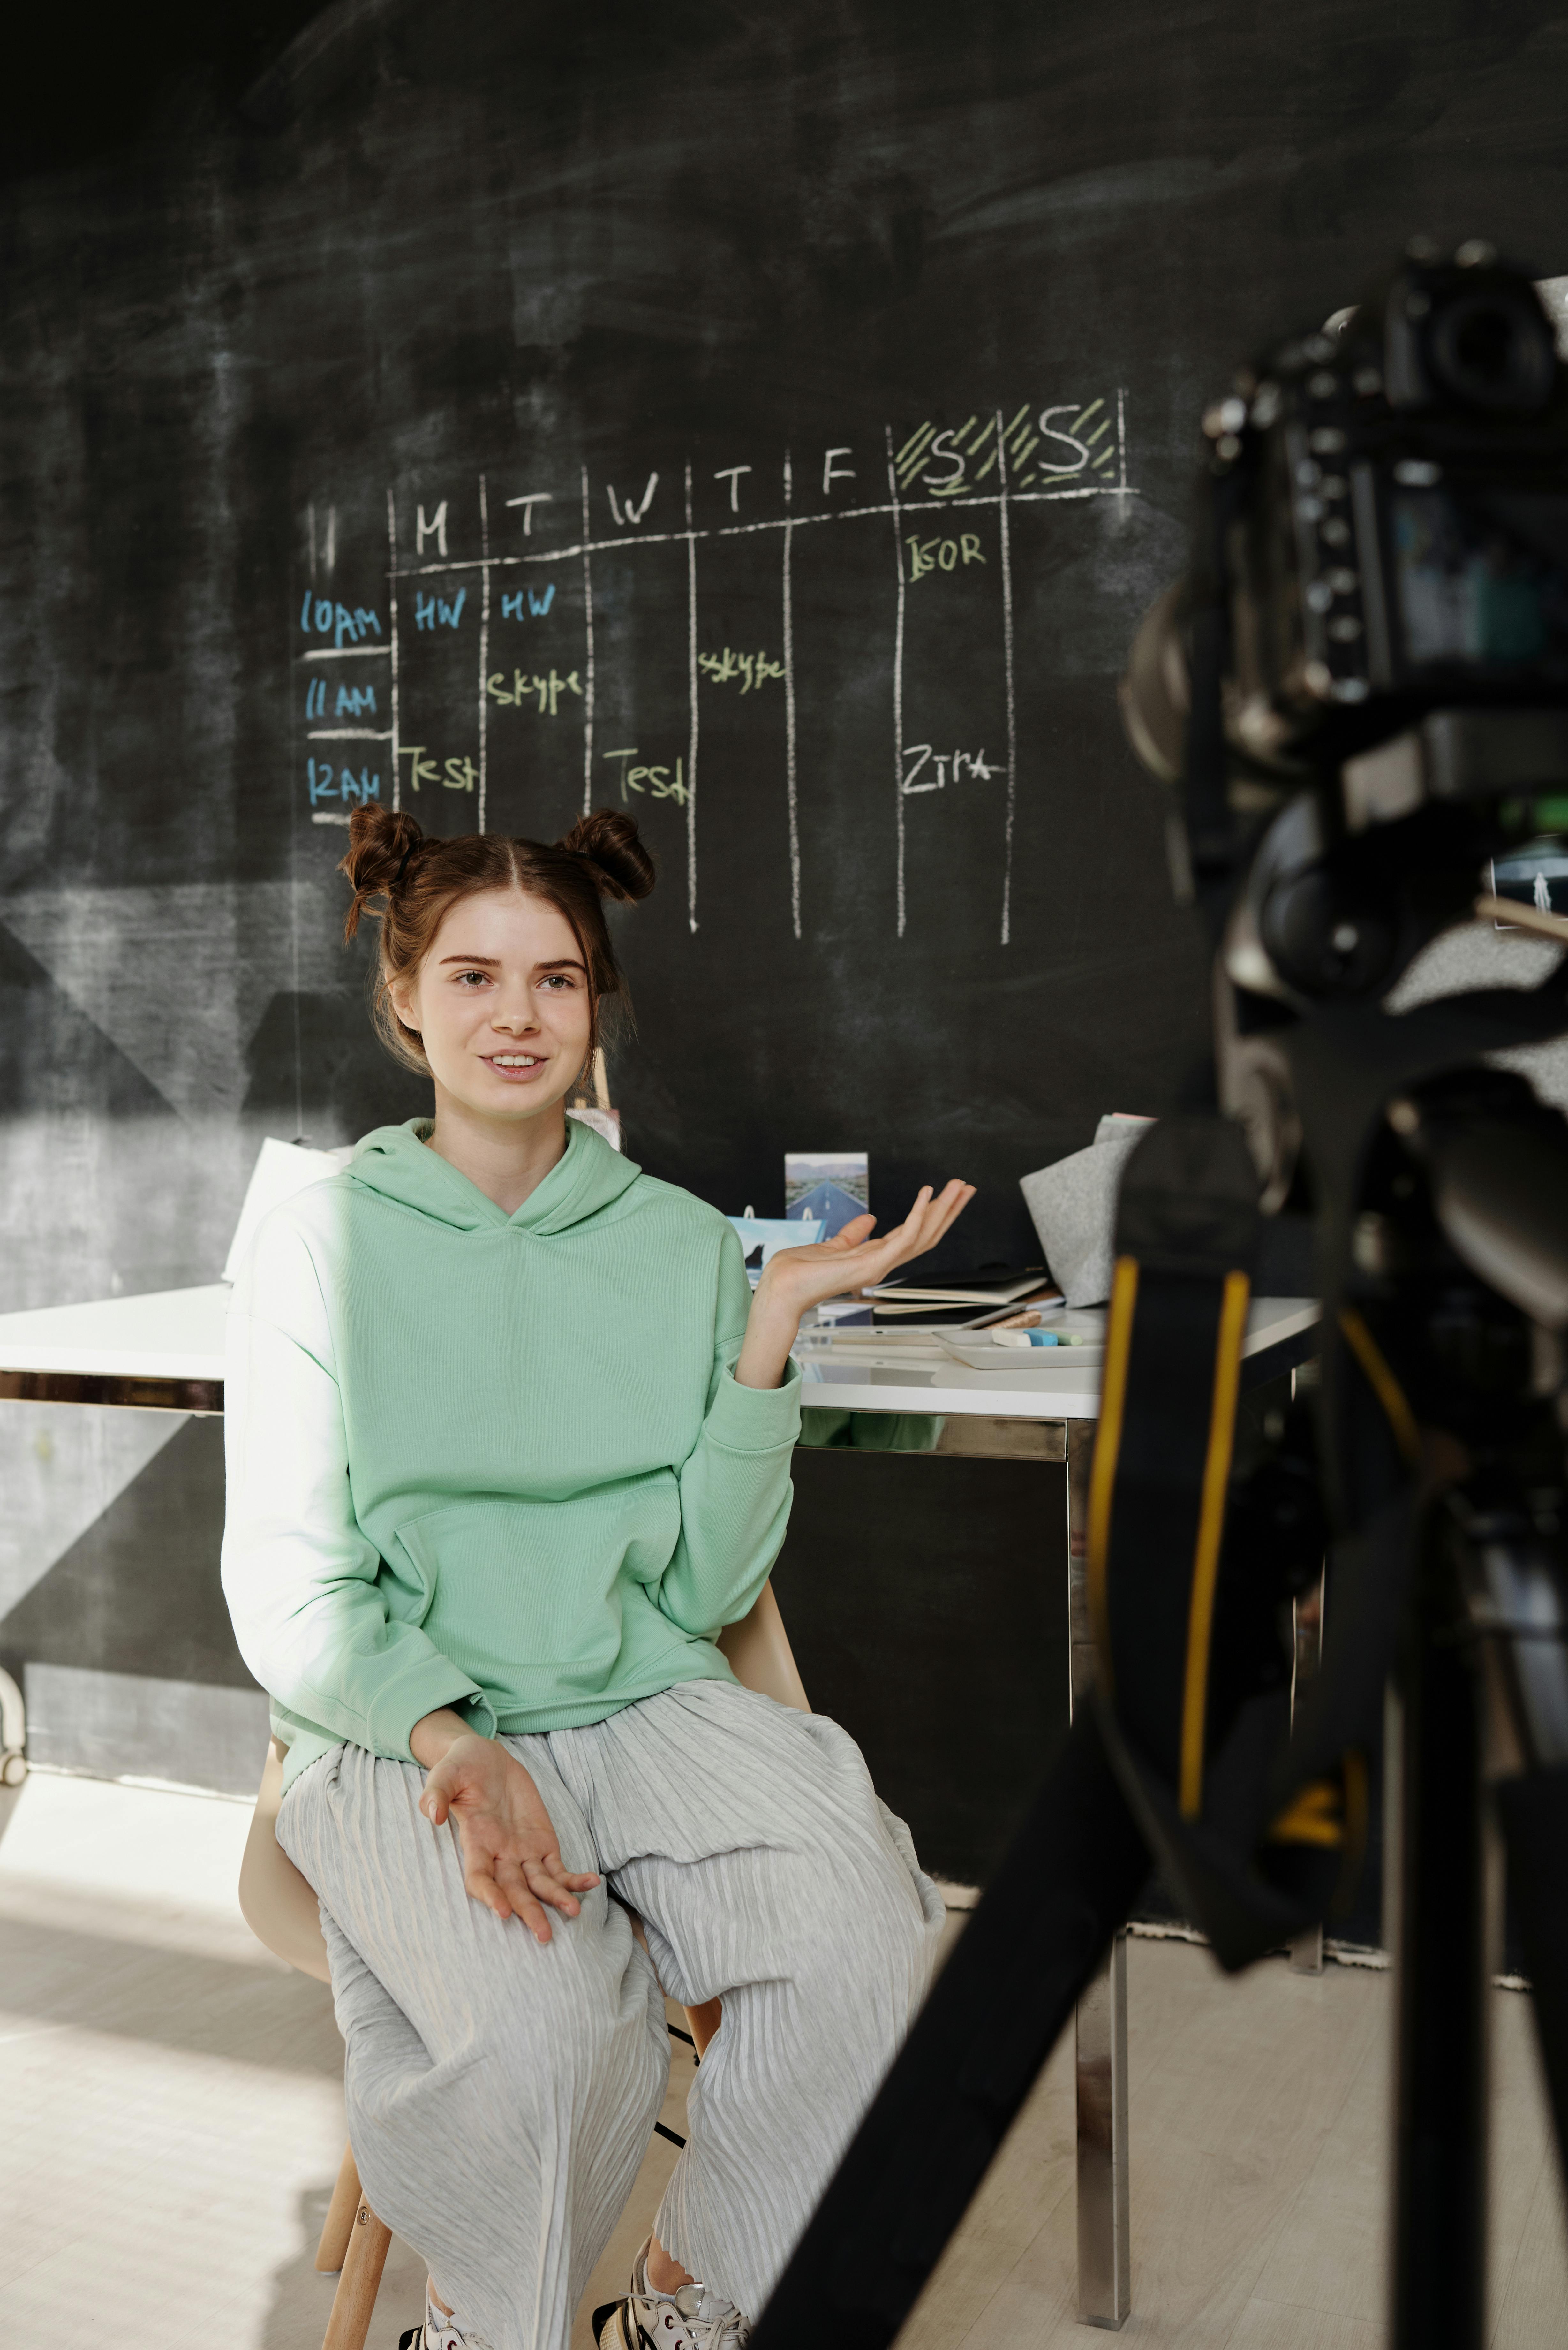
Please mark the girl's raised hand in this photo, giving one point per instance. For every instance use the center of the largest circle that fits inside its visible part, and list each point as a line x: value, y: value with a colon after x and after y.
x: 795, y: 1278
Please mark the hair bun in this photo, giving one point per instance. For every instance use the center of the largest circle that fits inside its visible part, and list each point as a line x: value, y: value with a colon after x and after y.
x: 380, y: 846
x: 608, y: 839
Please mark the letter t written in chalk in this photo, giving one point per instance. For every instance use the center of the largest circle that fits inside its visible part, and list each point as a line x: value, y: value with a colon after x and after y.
x: 831, y: 473
x: 732, y: 473
x: 535, y: 498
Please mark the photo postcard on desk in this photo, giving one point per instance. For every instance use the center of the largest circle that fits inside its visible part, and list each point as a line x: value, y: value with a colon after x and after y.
x: 834, y: 1186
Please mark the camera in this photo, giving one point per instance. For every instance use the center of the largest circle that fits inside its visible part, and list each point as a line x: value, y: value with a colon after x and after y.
x: 1360, y: 688
x: 1399, y: 542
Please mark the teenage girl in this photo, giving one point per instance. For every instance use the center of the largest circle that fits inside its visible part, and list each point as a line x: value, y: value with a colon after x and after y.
x: 509, y: 1443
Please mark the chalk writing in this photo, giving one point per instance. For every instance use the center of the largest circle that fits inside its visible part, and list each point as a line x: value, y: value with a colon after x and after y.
x: 353, y: 701
x: 512, y: 606
x: 429, y: 609
x: 752, y: 669
x: 324, y: 782
x: 534, y: 498
x: 1035, y: 448
x: 522, y: 688
x: 961, y: 763
x: 908, y: 499
x: 320, y: 615
x: 452, y: 774
x: 941, y: 554
x: 634, y: 513
x: 659, y: 783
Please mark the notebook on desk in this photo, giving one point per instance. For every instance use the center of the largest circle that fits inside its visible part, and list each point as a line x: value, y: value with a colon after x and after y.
x: 962, y: 1295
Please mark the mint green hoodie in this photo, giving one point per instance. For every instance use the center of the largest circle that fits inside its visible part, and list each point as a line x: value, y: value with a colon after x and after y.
x: 493, y: 1463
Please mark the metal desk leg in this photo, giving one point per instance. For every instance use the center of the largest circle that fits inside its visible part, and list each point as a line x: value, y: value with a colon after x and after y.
x: 1306, y: 1948
x: 1105, y: 2273
x: 13, y: 1734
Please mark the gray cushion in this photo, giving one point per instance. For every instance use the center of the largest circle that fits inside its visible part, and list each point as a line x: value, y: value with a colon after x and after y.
x: 1074, y: 1208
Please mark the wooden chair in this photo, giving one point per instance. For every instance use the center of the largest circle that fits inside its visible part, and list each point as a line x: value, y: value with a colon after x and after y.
x: 281, y: 1910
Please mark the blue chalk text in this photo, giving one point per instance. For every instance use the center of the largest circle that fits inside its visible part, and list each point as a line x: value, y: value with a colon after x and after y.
x: 325, y: 782
x: 320, y: 617
x: 512, y: 606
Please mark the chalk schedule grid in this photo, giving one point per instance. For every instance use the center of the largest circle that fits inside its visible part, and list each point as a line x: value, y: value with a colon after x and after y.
x: 635, y: 641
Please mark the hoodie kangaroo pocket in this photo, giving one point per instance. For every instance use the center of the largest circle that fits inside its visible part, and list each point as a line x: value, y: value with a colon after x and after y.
x: 522, y: 1603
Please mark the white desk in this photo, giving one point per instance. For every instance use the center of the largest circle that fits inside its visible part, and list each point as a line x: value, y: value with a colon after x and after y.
x: 1059, y: 1383
x: 165, y: 1353
x: 159, y: 1353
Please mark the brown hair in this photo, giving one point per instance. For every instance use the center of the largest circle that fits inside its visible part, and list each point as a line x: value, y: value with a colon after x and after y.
x: 422, y: 876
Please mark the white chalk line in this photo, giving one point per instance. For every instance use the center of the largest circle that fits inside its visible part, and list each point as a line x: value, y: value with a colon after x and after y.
x: 347, y: 652
x: 348, y: 734
x: 587, y: 656
x: 898, y: 676
x: 392, y: 647
x: 1011, y: 704
x: 692, y: 691
x: 484, y: 651
x: 790, y: 793
x: 791, y: 521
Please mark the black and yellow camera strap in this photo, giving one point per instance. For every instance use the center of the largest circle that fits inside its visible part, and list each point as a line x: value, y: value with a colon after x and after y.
x: 1252, y: 1856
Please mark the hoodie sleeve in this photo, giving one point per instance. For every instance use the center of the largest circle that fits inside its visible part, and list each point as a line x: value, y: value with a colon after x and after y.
x: 299, y: 1574
x: 736, y: 1483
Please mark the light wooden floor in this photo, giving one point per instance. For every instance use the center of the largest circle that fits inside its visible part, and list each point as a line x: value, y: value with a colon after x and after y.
x: 171, y: 2121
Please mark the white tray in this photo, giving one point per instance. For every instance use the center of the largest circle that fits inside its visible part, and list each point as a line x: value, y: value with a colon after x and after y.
x: 980, y: 1351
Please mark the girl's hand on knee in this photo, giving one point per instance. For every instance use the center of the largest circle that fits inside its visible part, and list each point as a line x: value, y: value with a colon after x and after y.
x: 511, y: 1855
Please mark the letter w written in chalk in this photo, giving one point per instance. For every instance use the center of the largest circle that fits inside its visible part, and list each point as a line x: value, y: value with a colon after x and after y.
x: 634, y: 513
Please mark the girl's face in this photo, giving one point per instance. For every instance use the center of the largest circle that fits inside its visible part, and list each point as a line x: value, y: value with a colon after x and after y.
x: 502, y: 1003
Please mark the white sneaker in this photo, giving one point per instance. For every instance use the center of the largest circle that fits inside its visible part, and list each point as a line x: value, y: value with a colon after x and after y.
x: 438, y: 2331
x: 694, y: 2318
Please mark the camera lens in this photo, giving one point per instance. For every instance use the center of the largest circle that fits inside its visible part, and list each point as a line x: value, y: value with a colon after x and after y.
x: 1492, y: 348
x: 1322, y: 939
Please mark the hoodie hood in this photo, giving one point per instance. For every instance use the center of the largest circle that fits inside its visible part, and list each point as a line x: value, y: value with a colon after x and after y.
x: 396, y: 1162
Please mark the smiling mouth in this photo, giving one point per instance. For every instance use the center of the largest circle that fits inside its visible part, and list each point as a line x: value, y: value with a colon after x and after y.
x: 513, y: 1066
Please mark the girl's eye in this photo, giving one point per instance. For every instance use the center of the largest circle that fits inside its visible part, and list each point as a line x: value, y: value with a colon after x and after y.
x: 479, y: 977
x: 559, y: 980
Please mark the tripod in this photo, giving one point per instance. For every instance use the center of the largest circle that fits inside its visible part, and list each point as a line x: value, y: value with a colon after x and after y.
x: 1443, y: 1232
x: 1481, y: 1681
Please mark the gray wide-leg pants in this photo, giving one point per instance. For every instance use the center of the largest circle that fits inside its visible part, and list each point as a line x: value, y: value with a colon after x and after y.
x: 501, y: 2094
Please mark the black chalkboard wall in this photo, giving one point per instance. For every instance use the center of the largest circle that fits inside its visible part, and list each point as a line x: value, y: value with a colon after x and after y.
x: 850, y: 354
x: 850, y: 357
